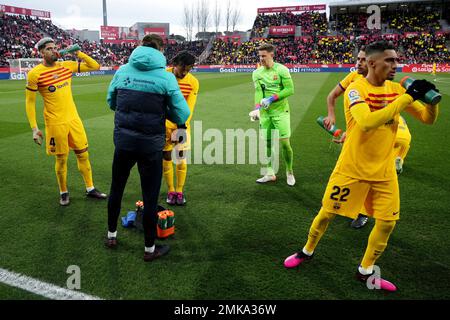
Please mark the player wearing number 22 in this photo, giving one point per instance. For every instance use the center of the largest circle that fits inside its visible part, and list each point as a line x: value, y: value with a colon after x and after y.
x: 63, y: 126
x: 365, y: 172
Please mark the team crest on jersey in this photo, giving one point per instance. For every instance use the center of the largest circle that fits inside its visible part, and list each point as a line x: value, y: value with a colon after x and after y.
x: 52, y: 88
x: 337, y: 206
x: 55, y: 76
x: 353, y: 96
x: 275, y: 77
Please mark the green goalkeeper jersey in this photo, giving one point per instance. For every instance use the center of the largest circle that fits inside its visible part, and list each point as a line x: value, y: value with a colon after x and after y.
x: 276, y: 80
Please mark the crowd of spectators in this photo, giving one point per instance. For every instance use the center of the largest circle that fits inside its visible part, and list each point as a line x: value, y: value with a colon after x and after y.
x: 419, y: 48
x: 17, y: 38
x: 351, y: 24
x: 311, y: 22
x: 194, y: 47
x: 425, y: 48
x: 419, y: 19
x: 421, y: 44
x: 223, y: 52
x: 19, y: 35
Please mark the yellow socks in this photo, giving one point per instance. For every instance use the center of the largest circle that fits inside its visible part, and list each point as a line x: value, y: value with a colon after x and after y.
x: 61, y: 171
x: 181, y: 175
x: 168, y: 175
x: 377, y: 242
x: 318, y: 228
x: 84, y: 166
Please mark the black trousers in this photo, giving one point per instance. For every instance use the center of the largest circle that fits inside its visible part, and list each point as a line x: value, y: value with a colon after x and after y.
x: 150, y: 171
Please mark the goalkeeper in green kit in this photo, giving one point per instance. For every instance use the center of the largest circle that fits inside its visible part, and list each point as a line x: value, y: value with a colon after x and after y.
x: 273, y: 85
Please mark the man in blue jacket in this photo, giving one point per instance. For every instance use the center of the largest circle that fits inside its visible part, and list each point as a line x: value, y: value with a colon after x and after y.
x: 142, y: 94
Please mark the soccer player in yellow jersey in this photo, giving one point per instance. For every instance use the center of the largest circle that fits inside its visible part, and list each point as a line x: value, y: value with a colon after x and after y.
x: 63, y: 126
x: 179, y: 137
x: 330, y: 119
x: 365, y: 172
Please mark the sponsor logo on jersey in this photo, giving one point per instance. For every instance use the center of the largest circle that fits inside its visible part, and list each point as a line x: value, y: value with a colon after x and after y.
x: 336, y: 206
x: 65, y: 84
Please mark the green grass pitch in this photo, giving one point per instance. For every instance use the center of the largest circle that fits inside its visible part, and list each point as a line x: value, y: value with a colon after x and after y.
x: 233, y: 235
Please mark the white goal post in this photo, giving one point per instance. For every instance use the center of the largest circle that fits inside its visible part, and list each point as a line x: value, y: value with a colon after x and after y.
x: 19, y: 68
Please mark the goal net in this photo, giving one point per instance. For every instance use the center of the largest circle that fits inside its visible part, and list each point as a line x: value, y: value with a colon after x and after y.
x: 19, y: 68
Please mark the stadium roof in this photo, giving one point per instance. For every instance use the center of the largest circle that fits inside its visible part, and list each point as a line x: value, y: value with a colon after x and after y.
x: 350, y: 3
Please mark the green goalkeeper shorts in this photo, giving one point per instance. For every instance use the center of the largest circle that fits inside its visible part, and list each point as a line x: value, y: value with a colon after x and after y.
x: 281, y: 122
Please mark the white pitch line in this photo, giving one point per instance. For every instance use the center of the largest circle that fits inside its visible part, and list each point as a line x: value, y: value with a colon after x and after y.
x: 41, y: 288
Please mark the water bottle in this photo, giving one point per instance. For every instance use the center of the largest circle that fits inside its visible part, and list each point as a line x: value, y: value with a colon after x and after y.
x: 162, y: 220
x: 70, y: 49
x: 335, y: 132
x: 431, y: 97
x: 170, y: 219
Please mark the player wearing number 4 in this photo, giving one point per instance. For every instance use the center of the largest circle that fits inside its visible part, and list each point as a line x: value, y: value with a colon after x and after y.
x: 273, y: 85
x: 365, y: 172
x: 63, y: 126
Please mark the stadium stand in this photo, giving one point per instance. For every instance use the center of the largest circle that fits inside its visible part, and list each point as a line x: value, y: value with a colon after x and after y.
x: 416, y: 29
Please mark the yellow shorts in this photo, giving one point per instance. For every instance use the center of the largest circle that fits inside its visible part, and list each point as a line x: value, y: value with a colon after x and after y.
x: 173, y: 133
x: 346, y: 196
x: 59, y: 138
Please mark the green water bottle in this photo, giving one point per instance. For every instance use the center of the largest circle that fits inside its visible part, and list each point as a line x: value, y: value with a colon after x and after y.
x: 162, y: 220
x: 335, y: 132
x: 431, y: 97
x: 170, y: 219
x: 71, y: 49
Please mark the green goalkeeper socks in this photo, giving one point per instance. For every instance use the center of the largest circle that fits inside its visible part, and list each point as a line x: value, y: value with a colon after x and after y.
x: 269, y: 169
x: 288, y: 154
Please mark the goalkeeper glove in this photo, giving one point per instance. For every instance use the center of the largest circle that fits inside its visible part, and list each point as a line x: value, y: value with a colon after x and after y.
x: 266, y: 102
x: 37, y: 136
x: 419, y: 88
x: 71, y: 49
x: 254, y: 115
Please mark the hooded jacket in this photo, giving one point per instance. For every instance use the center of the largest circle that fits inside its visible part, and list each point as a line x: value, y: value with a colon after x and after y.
x: 143, y: 94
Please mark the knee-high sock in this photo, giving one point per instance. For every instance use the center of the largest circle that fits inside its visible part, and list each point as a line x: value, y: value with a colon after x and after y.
x: 318, y: 228
x: 377, y: 242
x: 181, y: 174
x: 288, y: 154
x: 269, y: 157
x: 168, y: 174
x: 61, y: 171
x: 84, y: 166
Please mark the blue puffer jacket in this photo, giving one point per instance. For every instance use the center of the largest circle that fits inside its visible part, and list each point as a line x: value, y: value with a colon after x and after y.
x: 143, y: 94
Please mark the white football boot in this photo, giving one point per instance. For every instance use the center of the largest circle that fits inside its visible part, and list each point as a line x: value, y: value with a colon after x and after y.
x: 290, y: 179
x: 267, y: 178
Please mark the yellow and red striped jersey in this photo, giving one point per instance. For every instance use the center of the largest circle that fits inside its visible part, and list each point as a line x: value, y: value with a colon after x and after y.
x: 369, y: 155
x: 55, y: 86
x: 189, y: 87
